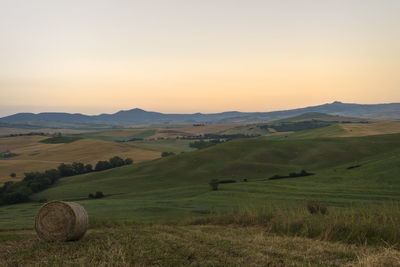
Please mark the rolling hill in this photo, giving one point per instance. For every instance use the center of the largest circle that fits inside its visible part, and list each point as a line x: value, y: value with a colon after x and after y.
x: 347, y: 171
x: 33, y: 155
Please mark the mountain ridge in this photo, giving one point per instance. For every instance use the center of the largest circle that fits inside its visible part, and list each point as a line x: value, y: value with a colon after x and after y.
x: 140, y: 116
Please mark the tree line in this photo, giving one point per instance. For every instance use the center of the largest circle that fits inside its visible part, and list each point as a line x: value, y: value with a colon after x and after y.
x: 33, y: 182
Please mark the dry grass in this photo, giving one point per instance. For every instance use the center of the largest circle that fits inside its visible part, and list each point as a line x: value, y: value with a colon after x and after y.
x: 381, y: 257
x: 36, y: 156
x: 22, y: 166
x: 163, y: 245
x: 362, y: 129
x: 30, y: 142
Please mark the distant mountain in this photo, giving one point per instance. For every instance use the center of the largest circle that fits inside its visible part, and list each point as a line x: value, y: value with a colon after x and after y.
x: 139, y: 116
x: 374, y: 111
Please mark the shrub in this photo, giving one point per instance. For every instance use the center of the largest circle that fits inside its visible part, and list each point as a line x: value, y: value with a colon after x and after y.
x: 227, y: 181
x: 214, y: 184
x: 316, y: 207
x: 202, y: 144
x: 39, y: 184
x: 78, y: 167
x: 99, y: 195
x: 166, y: 154
x: 116, y: 162
x: 88, y: 168
x: 14, y: 198
x: 128, y: 161
x: 13, y: 175
x: 65, y: 169
x: 60, y: 139
x: 53, y: 175
x: 291, y: 175
x: 102, y: 165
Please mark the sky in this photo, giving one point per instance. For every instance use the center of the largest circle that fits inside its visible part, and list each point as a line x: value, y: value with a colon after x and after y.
x: 95, y: 56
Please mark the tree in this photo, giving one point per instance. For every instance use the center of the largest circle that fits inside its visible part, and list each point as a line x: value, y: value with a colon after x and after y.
x: 166, y: 154
x: 21, y: 194
x: 102, y: 165
x: 39, y: 184
x: 32, y: 176
x: 78, y: 168
x: 65, y: 170
x: 88, y: 168
x: 13, y: 175
x: 116, y: 162
x: 128, y: 161
x: 53, y: 175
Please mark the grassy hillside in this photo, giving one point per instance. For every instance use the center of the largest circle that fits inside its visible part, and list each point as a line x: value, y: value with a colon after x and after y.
x: 314, y: 125
x: 177, y: 186
x: 321, y: 117
x: 357, y: 129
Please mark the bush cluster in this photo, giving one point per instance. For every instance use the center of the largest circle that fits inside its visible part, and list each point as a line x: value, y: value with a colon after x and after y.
x: 203, y: 144
x: 214, y: 183
x: 112, y: 163
x: 302, y: 173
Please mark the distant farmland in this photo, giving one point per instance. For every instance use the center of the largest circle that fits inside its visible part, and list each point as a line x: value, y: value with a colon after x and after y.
x: 33, y: 155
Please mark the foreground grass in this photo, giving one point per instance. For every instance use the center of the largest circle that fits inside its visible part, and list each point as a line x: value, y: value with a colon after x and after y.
x: 377, y: 227
x: 172, y: 245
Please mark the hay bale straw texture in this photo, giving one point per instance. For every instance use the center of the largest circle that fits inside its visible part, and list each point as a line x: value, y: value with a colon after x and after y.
x: 61, y: 221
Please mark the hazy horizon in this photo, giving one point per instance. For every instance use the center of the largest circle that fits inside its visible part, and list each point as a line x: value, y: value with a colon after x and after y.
x: 102, y: 56
x: 37, y: 110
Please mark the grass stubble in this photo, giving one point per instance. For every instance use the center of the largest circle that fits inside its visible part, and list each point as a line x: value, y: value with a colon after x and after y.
x: 250, y: 237
x: 177, y: 245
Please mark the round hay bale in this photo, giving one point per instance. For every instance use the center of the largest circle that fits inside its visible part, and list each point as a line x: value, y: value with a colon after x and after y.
x: 61, y: 221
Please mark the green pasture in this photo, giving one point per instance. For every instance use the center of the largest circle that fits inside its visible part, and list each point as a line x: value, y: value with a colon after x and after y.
x: 176, y: 187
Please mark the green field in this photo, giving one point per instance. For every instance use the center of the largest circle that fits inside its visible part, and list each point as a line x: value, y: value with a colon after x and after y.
x: 177, y: 186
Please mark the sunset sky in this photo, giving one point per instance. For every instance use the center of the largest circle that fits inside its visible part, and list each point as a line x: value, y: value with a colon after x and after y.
x: 196, y: 56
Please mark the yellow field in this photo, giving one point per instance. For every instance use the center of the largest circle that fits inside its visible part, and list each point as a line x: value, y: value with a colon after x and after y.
x: 36, y: 156
x: 362, y: 129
